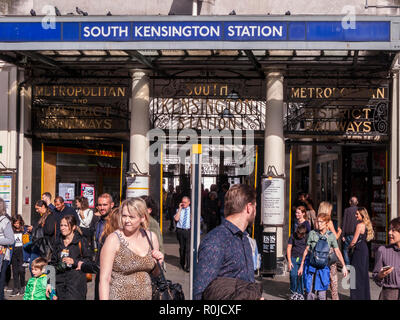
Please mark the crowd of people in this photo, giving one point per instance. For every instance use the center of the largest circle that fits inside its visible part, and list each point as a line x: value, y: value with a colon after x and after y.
x: 79, y: 242
x: 313, y: 253
x: 121, y: 248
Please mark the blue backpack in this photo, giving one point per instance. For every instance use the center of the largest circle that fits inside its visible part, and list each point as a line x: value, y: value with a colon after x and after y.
x: 320, y: 254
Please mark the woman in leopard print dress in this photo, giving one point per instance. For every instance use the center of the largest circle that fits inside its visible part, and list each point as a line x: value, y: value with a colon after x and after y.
x: 126, y: 259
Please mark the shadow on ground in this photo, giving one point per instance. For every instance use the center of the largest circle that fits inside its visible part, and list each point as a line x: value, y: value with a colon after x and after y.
x: 279, y: 290
x: 172, y: 260
x: 275, y: 289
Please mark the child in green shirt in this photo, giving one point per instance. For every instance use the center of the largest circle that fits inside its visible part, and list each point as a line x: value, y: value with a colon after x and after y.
x: 37, y: 287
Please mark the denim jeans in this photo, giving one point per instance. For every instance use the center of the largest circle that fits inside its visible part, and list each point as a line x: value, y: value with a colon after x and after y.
x: 3, y: 272
x: 296, y: 282
x: 346, y: 244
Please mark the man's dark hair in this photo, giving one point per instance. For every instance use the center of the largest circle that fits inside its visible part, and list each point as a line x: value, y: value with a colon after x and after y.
x: 59, y: 198
x: 237, y: 197
x: 151, y: 204
x: 47, y: 194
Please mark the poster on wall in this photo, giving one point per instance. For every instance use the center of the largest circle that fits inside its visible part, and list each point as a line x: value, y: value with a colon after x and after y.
x: 88, y: 191
x: 6, y: 191
x: 272, y: 201
x: 67, y: 191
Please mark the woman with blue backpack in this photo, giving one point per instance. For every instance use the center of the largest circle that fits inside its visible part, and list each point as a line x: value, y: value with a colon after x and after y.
x: 327, y: 207
x: 315, y: 263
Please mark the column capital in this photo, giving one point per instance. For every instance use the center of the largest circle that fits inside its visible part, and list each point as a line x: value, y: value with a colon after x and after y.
x: 274, y: 71
x: 137, y: 74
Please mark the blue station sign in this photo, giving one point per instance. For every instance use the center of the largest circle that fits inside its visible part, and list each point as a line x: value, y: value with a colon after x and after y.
x: 231, y: 31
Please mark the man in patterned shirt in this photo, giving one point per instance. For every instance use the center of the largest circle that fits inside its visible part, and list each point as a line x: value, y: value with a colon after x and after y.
x: 225, y: 251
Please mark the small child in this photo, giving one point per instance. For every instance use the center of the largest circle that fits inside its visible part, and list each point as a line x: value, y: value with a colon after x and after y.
x: 296, y: 246
x: 37, y: 285
x: 17, y: 259
x: 26, y: 238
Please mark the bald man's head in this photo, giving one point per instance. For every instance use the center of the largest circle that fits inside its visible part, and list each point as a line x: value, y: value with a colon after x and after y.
x: 353, y: 201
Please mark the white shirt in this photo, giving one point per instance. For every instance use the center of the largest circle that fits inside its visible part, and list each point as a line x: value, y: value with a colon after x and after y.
x: 18, y: 239
x: 87, y: 218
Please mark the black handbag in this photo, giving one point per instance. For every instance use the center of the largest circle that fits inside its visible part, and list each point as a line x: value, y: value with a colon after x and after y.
x: 351, y: 250
x: 162, y: 288
x: 41, y: 244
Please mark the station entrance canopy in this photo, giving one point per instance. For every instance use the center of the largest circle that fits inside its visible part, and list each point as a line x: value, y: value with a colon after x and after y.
x: 226, y: 47
x: 201, y: 32
x: 234, y: 51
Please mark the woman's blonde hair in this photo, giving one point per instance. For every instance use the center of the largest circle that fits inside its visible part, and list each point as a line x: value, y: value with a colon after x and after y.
x: 325, y: 207
x: 135, y: 205
x: 324, y: 216
x: 365, y: 219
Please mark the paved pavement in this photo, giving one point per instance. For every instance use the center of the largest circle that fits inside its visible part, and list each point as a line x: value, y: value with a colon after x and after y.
x: 274, y: 288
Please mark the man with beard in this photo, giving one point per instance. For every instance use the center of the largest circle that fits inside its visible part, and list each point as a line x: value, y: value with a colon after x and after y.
x: 225, y: 251
x: 105, y: 205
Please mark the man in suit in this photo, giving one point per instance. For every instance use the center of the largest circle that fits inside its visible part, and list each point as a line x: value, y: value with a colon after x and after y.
x: 349, y: 227
x: 182, y: 218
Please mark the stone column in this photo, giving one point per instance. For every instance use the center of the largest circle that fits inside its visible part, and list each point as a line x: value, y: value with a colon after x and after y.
x: 139, y: 127
x: 394, y: 141
x: 274, y: 152
x: 273, y: 135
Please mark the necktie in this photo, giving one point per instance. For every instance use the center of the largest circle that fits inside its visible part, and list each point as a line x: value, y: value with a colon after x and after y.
x: 185, y: 219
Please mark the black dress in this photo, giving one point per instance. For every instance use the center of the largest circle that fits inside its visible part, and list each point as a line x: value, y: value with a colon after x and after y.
x: 360, y: 262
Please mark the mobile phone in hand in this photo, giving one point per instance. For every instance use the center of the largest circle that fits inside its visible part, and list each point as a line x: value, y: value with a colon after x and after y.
x: 385, y: 268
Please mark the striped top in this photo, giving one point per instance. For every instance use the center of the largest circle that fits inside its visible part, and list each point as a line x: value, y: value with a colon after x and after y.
x: 184, y: 218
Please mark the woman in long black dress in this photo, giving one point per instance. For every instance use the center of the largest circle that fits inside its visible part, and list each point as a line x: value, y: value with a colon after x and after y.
x: 360, y: 257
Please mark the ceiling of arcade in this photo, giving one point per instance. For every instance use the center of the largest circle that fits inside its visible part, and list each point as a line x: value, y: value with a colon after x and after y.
x: 298, y: 65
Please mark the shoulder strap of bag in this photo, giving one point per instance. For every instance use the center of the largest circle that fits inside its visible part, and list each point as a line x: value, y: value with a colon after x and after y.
x: 80, y: 247
x: 152, y: 248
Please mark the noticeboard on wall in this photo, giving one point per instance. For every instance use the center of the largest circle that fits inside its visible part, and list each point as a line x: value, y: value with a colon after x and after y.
x: 137, y: 186
x: 273, y: 201
x: 67, y: 192
x: 6, y: 191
